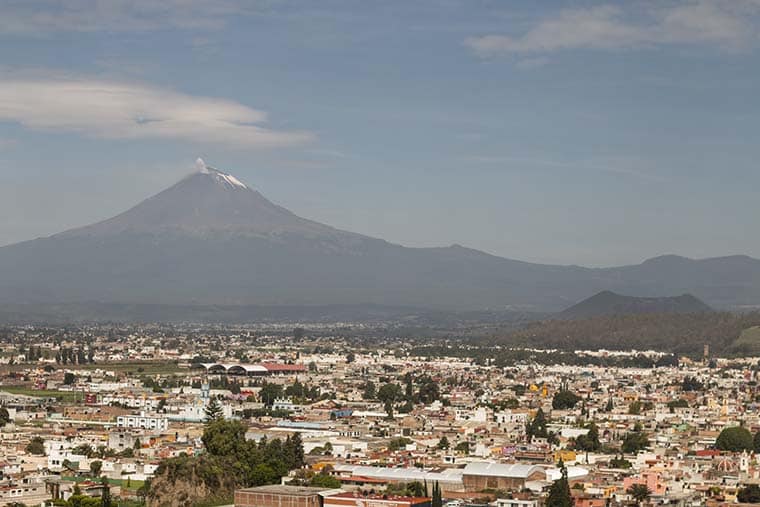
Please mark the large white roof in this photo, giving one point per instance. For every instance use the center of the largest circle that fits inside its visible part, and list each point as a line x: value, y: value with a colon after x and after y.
x: 490, y: 469
x: 450, y: 475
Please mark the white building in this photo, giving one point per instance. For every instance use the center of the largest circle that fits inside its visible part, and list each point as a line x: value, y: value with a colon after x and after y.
x: 143, y: 421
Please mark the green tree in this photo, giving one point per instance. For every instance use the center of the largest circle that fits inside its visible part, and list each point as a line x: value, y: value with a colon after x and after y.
x: 270, y: 392
x: 679, y: 403
x: 105, y: 497
x: 95, y: 468
x: 620, y: 462
x: 639, y: 492
x: 213, y: 411
x: 635, y: 440
x: 263, y: 474
x: 437, y: 500
x: 389, y: 394
x: 396, y: 444
x: 293, y: 451
x: 225, y: 438
x: 691, y: 384
x: 559, y: 493
x: 5, y: 417
x: 369, y: 391
x: 415, y: 488
x: 589, y: 441
x: 322, y: 480
x: 564, y: 400
x: 735, y: 439
x: 749, y: 494
x: 69, y: 378
x: 429, y: 391
x: 36, y: 446
x: 537, y: 426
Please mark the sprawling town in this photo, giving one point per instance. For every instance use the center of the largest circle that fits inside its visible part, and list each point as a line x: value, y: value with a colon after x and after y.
x: 105, y: 411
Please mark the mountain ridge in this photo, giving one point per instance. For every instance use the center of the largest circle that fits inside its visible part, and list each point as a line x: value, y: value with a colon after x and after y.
x: 607, y: 303
x: 211, y: 239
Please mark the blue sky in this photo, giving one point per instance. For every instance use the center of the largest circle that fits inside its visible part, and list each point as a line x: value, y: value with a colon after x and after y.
x: 565, y: 132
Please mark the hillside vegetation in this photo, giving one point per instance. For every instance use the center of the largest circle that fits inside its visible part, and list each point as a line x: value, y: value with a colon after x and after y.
x: 668, y: 332
x: 230, y: 462
x: 609, y: 303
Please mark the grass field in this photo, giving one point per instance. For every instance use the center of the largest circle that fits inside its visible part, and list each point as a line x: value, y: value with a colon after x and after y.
x: 134, y: 367
x: 133, y: 485
x: 43, y: 393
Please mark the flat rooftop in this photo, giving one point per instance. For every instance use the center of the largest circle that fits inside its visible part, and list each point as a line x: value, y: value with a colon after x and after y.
x: 279, y: 489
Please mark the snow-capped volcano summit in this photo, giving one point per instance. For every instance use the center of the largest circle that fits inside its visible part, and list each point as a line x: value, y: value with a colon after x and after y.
x: 219, y: 176
x: 207, y: 202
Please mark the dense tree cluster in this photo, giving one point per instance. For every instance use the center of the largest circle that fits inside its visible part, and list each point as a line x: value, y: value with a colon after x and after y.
x: 691, y: 384
x: 735, y: 439
x: 749, y: 494
x: 589, y: 441
x: 564, y: 400
x: 231, y: 461
x: 635, y: 441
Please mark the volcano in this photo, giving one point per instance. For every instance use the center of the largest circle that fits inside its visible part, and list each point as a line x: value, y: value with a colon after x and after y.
x: 212, y: 239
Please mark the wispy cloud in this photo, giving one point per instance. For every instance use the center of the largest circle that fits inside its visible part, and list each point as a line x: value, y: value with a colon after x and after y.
x: 123, y: 110
x: 727, y: 24
x: 46, y: 16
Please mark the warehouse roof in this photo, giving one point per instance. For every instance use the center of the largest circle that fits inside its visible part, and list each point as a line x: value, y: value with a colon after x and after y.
x: 484, y: 468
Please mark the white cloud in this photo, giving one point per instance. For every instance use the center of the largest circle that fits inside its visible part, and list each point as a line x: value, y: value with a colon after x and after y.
x: 46, y: 16
x: 118, y: 110
x: 727, y: 24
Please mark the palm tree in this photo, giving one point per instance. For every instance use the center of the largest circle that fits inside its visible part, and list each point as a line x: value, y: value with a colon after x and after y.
x: 639, y: 492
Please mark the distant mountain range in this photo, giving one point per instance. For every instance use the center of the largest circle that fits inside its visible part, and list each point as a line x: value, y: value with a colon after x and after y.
x: 212, y: 240
x: 609, y: 303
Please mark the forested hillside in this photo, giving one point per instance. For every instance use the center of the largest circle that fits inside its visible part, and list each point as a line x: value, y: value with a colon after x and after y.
x: 668, y: 332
